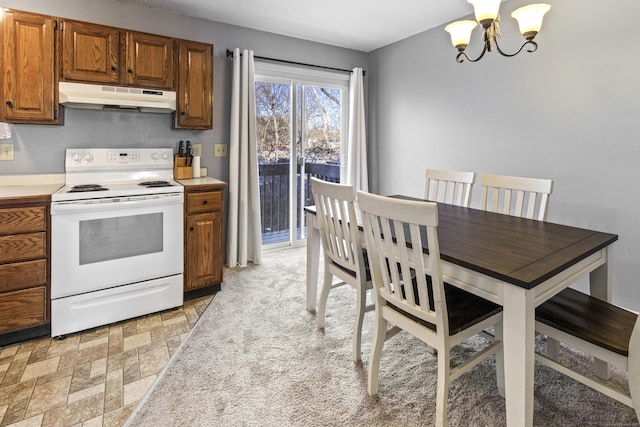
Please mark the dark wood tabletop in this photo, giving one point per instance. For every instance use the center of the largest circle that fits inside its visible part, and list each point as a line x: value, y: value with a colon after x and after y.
x: 517, y: 250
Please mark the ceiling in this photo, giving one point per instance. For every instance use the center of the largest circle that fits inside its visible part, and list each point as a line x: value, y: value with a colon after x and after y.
x: 363, y: 25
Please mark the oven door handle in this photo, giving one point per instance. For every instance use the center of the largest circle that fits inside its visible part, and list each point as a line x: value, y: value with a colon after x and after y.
x: 114, y: 203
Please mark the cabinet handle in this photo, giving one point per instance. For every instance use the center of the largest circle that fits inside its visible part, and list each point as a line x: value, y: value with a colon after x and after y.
x: 191, y: 228
x: 183, y: 113
x: 10, y: 104
x: 130, y: 71
x: 114, y: 69
x: 204, y: 202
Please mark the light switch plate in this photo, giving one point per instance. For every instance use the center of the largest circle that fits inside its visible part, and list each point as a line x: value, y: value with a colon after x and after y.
x: 6, y: 151
x: 220, y: 150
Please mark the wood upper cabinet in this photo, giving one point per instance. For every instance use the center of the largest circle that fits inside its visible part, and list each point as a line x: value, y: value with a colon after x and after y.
x: 36, y: 53
x: 93, y: 53
x: 28, y: 69
x: 90, y: 52
x: 150, y: 60
x: 194, y: 108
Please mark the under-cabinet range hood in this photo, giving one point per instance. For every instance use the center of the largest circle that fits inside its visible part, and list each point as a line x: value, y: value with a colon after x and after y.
x: 98, y: 97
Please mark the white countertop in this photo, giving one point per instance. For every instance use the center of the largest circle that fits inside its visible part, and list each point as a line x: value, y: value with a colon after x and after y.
x: 30, y: 185
x: 46, y: 184
x: 207, y: 180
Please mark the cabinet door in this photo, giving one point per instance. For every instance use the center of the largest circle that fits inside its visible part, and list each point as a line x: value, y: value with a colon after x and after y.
x: 23, y: 309
x: 30, y: 95
x: 90, y: 52
x: 150, y: 60
x: 195, y: 82
x: 203, y: 264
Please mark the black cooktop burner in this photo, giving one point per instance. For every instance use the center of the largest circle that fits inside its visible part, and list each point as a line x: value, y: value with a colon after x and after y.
x: 156, y: 184
x: 81, y: 188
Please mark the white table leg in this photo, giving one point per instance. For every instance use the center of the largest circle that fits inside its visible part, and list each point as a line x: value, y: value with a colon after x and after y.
x: 518, y: 335
x: 599, y: 287
x: 313, y: 261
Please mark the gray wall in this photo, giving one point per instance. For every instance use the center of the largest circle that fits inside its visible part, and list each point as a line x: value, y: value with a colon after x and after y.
x: 40, y: 149
x: 568, y: 112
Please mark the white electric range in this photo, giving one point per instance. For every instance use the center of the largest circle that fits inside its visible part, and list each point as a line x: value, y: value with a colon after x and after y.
x: 116, y: 238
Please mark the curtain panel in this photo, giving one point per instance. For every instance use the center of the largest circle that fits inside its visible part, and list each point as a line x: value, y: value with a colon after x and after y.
x: 357, y: 174
x: 244, y: 239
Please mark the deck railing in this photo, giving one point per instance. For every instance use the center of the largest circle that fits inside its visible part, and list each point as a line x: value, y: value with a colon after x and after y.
x: 274, y: 192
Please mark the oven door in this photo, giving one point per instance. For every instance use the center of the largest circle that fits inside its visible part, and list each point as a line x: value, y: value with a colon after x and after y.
x: 101, y: 243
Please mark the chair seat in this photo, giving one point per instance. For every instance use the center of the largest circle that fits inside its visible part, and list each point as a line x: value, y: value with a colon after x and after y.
x: 366, y: 267
x: 464, y: 309
x: 589, y: 319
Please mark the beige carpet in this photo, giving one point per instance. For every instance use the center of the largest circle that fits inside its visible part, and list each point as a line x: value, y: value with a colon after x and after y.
x: 257, y: 358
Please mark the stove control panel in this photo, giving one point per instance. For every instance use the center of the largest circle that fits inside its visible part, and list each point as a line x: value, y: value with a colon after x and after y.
x: 118, y: 159
x: 122, y: 156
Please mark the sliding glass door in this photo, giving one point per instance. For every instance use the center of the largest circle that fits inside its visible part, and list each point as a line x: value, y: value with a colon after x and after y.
x: 301, y: 131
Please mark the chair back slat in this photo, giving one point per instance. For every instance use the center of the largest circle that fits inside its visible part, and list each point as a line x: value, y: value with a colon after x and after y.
x: 517, y: 196
x: 451, y: 187
x: 337, y: 222
x: 395, y: 232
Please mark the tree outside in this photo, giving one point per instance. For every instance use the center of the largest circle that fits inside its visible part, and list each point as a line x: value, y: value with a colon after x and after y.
x: 318, y: 115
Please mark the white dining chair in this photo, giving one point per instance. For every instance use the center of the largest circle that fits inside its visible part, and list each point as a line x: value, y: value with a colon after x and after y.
x: 517, y: 196
x: 451, y: 187
x: 414, y: 298
x: 343, y: 253
x: 596, y: 327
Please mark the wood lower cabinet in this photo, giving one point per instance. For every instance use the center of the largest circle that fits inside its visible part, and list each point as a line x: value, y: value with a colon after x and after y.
x: 29, y: 86
x: 194, y: 108
x: 203, y: 238
x: 24, y: 268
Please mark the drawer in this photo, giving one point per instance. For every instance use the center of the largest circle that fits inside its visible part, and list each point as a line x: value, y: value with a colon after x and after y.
x: 205, y: 201
x: 23, y: 247
x: 22, y: 275
x: 22, y: 220
x: 23, y: 309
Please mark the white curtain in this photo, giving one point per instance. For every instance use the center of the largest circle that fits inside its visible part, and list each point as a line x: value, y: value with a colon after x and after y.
x: 244, y: 239
x: 357, y: 137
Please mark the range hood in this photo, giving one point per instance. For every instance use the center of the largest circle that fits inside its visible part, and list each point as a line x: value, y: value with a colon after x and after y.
x: 98, y: 97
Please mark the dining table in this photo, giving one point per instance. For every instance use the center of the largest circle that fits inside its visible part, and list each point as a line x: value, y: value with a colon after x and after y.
x: 515, y: 262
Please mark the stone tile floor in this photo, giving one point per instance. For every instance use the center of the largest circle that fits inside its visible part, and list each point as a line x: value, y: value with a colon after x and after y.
x: 91, y: 378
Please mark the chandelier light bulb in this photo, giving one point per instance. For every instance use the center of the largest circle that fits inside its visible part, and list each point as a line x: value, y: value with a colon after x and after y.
x: 530, y: 18
x: 460, y: 32
x: 486, y: 11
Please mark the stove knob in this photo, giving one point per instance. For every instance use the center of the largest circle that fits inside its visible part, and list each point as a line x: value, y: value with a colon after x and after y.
x: 164, y: 156
x: 76, y: 157
x: 155, y: 156
x: 88, y: 157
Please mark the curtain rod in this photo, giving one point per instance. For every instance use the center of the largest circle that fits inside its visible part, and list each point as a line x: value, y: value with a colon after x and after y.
x: 230, y: 54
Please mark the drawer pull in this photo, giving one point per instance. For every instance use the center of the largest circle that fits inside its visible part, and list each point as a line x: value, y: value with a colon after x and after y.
x: 204, y: 202
x: 191, y: 228
x: 10, y: 104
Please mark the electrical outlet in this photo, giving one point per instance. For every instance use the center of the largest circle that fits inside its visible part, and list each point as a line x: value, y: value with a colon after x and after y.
x: 6, y: 151
x: 220, y: 150
x: 197, y: 149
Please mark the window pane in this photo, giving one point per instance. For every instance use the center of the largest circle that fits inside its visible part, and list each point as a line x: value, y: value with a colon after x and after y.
x: 120, y: 237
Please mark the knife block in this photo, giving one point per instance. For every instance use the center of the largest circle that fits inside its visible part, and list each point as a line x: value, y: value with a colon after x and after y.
x: 180, y: 168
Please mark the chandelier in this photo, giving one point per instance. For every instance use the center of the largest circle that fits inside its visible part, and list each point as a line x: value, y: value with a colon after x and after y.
x: 487, y: 14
